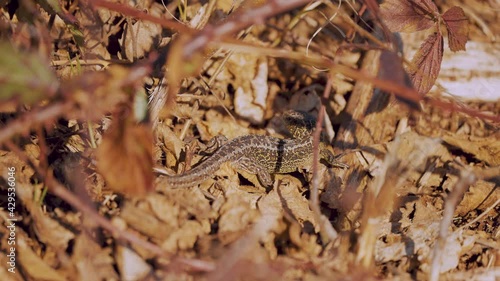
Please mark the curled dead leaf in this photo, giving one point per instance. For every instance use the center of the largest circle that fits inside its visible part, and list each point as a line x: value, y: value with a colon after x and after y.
x: 125, y: 157
x: 391, y: 69
x: 458, y: 28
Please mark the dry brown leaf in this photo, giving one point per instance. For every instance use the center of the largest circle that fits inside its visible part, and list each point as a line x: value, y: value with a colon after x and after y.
x: 287, y: 197
x: 236, y: 214
x: 170, y: 140
x: 10, y: 159
x: 426, y: 63
x: 419, y: 212
x: 91, y: 261
x: 457, y: 244
x: 97, y: 93
x: 165, y: 209
x: 220, y: 124
x: 49, y: 231
x: 282, y: 243
x: 481, y: 195
x: 8, y: 251
x: 250, y: 83
x: 480, y: 274
x: 406, y: 156
x: 415, y: 149
x: 484, y: 149
x: 408, y: 15
x: 391, y: 69
x: 185, y: 237
x: 458, y: 28
x: 227, y: 5
x: 125, y: 157
x: 184, y: 216
x: 143, y: 221
x: 139, y: 39
x: 390, y: 250
x: 33, y: 265
x: 185, y: 202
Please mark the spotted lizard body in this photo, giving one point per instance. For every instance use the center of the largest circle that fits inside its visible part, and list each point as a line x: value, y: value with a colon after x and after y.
x: 262, y: 155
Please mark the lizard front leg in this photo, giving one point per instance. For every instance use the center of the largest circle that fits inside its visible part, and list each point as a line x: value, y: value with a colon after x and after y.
x: 250, y: 166
x: 330, y: 159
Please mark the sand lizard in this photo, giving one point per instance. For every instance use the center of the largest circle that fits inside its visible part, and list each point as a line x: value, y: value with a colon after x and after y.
x: 262, y: 155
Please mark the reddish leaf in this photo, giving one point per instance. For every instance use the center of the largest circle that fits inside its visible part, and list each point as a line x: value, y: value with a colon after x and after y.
x: 458, y: 28
x: 408, y: 15
x: 426, y: 63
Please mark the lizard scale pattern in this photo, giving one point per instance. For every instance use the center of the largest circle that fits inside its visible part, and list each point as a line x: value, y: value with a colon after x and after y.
x: 261, y: 155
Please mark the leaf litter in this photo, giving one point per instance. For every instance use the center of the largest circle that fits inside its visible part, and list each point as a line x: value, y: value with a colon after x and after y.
x: 389, y: 211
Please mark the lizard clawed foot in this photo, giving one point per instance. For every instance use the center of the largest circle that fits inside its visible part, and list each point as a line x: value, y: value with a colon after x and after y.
x: 331, y: 159
x: 252, y: 167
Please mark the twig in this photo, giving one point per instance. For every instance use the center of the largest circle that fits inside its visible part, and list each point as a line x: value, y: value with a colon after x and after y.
x: 28, y: 120
x: 482, y: 214
x: 327, y: 232
x: 466, y: 179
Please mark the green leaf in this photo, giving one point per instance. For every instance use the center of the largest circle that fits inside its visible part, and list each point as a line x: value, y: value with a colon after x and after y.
x: 25, y: 76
